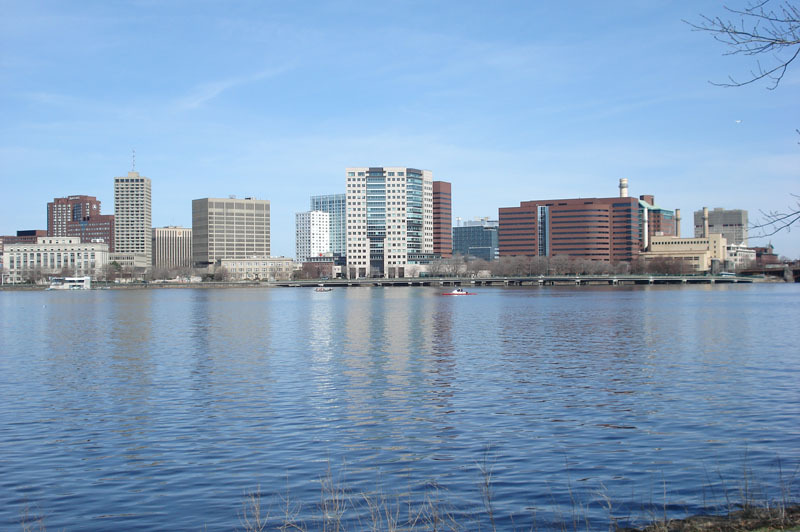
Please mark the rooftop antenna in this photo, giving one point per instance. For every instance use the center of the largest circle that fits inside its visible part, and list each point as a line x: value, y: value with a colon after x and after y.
x: 133, y: 160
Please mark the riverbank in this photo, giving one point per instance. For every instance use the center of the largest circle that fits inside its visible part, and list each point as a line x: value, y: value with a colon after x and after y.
x: 750, y: 519
x: 551, y: 280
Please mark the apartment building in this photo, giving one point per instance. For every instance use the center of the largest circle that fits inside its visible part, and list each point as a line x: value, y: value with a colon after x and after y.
x: 336, y: 206
x: 312, y: 234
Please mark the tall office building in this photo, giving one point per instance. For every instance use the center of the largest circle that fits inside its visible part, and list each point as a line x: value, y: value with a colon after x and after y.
x: 172, y: 247
x: 133, y: 220
x: 312, y: 234
x: 389, y: 220
x: 476, y: 238
x: 229, y: 229
x: 730, y: 223
x: 442, y: 219
x: 336, y: 206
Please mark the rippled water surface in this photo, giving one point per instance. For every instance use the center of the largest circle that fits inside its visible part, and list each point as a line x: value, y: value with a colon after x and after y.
x: 160, y: 409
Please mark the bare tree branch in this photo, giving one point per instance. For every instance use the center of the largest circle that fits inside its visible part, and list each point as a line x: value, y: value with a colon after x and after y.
x: 759, y: 30
x: 776, y: 221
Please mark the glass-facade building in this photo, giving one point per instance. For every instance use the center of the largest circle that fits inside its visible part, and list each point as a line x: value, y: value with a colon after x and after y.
x: 336, y: 206
x: 476, y: 239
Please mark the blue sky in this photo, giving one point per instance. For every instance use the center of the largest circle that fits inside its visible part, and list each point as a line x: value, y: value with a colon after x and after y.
x: 510, y: 101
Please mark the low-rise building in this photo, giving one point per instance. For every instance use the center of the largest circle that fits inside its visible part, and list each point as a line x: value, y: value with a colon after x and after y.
x: 739, y: 257
x: 699, y: 253
x: 53, y: 256
x: 258, y: 268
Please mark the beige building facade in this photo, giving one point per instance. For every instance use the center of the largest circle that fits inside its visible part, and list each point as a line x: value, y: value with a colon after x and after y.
x: 229, y: 228
x: 53, y: 256
x: 259, y: 269
x: 700, y: 252
x: 172, y: 247
x: 133, y: 217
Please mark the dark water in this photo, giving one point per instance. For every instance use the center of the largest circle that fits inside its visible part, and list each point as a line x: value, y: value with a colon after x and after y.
x: 160, y: 409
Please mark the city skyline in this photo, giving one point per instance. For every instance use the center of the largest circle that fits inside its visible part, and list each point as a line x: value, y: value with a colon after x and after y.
x: 524, y: 103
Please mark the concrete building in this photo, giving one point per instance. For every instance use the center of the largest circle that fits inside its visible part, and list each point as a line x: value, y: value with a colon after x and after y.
x: 229, y: 228
x: 336, y: 206
x: 133, y: 220
x: 442, y: 219
x: 312, y: 234
x: 259, y: 268
x: 732, y: 224
x: 53, y: 256
x: 172, y: 247
x: 477, y: 238
x: 389, y: 220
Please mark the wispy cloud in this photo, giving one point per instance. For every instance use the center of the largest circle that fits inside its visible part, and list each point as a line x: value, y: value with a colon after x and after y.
x: 205, y: 92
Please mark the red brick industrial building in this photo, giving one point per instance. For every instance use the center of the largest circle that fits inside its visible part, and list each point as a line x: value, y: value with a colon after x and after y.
x: 608, y: 229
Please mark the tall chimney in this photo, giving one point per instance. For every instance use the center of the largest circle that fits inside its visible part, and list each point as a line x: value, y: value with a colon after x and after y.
x: 623, y: 188
x: 678, y: 223
x: 705, y: 222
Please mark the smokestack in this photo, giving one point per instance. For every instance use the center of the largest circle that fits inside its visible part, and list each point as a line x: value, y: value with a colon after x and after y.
x: 623, y: 188
x: 678, y: 223
x: 705, y: 222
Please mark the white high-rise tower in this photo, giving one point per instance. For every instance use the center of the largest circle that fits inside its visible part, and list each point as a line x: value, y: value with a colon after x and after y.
x: 389, y: 220
x: 312, y: 234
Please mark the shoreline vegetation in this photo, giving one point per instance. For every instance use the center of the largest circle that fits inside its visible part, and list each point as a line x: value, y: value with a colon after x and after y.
x: 341, y: 508
x: 745, y: 509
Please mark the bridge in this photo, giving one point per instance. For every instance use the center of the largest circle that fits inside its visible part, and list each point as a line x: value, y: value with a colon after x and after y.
x: 539, y: 280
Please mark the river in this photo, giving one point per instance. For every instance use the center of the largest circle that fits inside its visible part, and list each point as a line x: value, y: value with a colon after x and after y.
x: 163, y: 409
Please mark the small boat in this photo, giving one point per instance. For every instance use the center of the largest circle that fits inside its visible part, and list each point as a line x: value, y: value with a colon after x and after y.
x: 322, y: 289
x: 458, y: 292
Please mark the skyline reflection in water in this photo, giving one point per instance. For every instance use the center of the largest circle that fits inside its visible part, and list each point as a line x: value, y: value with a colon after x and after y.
x: 154, y: 408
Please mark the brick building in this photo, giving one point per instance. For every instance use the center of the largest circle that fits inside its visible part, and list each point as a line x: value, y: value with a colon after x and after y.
x: 442, y: 219
x: 608, y: 229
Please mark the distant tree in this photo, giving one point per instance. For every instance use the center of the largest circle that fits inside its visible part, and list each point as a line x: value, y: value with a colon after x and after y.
x: 34, y: 275
x: 559, y: 265
x: 66, y: 271
x: 158, y: 274
x: 222, y: 274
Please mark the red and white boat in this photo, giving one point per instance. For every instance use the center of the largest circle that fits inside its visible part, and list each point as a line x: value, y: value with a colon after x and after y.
x: 459, y: 292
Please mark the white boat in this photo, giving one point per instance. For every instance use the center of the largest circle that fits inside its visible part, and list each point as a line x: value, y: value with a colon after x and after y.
x: 70, y: 283
x: 322, y: 289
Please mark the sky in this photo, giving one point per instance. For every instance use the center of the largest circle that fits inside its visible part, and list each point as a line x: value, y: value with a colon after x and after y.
x: 509, y: 101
